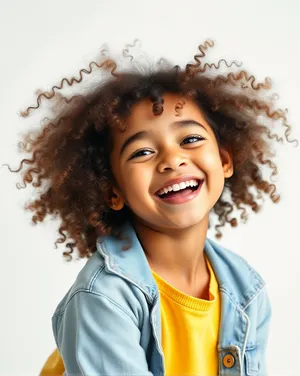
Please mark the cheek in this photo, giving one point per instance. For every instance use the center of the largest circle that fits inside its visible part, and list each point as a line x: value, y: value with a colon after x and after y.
x: 137, y: 182
x: 210, y: 160
x: 211, y: 164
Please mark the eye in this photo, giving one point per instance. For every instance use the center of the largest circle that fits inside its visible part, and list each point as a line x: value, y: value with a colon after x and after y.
x: 139, y: 153
x: 193, y: 137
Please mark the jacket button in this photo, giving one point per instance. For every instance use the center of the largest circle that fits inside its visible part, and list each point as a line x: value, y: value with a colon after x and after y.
x: 228, y: 361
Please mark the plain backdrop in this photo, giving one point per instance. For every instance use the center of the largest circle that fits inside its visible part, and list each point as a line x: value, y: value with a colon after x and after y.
x: 42, y: 42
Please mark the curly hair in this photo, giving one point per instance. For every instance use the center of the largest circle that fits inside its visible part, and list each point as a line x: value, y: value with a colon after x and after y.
x: 70, y: 154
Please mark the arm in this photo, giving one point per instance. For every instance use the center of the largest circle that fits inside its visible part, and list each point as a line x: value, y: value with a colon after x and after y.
x: 262, y: 330
x: 95, y: 336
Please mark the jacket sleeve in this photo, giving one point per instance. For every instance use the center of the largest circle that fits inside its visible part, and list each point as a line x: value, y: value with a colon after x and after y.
x: 95, y: 336
x: 262, y: 330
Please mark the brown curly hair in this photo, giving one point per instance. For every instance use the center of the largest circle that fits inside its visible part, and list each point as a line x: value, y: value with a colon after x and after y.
x: 70, y: 154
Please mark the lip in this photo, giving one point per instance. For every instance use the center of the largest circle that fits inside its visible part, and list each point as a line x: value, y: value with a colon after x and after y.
x: 182, y: 199
x: 178, y: 180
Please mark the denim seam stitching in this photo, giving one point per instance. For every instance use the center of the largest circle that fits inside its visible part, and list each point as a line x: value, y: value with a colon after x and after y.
x: 250, y: 370
x: 97, y: 294
x: 254, y: 296
x: 93, y: 279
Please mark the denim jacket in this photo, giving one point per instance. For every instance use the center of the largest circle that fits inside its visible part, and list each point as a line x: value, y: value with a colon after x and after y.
x: 109, y: 321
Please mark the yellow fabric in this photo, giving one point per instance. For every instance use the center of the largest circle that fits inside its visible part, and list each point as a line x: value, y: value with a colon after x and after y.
x: 190, y: 328
x: 54, y: 365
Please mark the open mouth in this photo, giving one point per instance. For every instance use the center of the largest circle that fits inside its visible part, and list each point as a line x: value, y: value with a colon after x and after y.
x: 181, y: 192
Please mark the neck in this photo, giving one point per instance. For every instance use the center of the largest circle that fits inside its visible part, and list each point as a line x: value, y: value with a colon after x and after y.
x: 176, y: 255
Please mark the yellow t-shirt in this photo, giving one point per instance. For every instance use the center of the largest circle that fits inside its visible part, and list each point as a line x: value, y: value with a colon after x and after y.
x: 190, y: 328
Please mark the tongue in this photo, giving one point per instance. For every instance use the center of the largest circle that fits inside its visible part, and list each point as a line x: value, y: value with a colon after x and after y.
x: 182, y: 192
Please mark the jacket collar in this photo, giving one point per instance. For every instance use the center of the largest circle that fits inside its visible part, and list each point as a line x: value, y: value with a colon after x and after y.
x: 234, y: 275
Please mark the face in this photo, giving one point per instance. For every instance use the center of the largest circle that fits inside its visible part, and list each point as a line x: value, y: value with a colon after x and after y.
x: 156, y: 149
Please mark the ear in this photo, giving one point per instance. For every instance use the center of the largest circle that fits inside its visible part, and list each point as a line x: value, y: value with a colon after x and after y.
x: 116, y: 201
x: 227, y: 162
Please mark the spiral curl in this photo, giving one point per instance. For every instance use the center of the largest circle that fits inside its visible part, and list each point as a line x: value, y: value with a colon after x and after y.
x: 70, y: 154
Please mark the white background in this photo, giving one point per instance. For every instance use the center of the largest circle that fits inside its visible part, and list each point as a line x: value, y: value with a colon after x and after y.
x: 42, y: 42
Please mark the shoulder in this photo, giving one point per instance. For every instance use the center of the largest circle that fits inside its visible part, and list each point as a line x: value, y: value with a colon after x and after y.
x: 236, y: 277
x: 94, y: 280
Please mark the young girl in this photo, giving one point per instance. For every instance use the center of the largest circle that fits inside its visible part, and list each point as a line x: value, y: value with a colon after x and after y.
x: 135, y: 167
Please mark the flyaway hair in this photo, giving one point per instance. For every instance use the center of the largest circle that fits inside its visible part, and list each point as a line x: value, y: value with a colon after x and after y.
x: 68, y: 162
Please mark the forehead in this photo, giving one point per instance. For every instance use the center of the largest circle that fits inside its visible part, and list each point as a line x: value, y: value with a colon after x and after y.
x: 142, y: 111
x: 142, y: 117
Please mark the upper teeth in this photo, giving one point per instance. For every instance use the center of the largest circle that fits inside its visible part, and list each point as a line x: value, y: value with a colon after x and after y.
x: 178, y: 187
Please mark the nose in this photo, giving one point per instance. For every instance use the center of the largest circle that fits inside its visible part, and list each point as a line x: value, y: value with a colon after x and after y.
x: 171, y: 160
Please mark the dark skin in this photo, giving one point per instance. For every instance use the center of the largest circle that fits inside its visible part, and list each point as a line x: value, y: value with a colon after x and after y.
x: 172, y: 236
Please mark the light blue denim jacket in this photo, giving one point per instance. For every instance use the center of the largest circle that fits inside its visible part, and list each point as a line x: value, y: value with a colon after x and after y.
x: 109, y: 321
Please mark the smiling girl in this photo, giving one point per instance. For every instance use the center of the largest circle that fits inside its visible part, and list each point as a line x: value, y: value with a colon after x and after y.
x: 135, y: 168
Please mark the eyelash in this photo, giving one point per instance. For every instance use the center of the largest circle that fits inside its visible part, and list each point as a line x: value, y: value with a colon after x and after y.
x: 199, y: 138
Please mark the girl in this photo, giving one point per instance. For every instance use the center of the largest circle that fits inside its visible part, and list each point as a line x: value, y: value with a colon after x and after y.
x: 135, y: 167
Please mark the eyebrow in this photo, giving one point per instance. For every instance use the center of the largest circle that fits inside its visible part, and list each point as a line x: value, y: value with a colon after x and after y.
x: 144, y: 134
